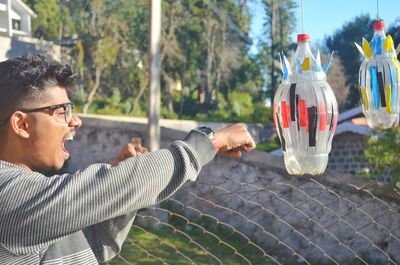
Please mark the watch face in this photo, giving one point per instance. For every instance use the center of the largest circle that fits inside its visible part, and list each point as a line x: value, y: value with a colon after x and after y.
x: 206, y: 130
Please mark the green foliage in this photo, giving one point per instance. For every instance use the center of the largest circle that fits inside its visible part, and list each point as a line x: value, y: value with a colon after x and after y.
x: 106, y: 105
x: 280, y: 23
x: 269, y: 146
x: 383, y: 153
x: 238, y: 107
x: 47, y: 24
x: 166, y: 114
x: 105, y: 51
x: 248, y: 78
x: 199, y: 48
x: 240, y: 104
x: 262, y: 114
x: 281, y: 13
x: 394, y: 31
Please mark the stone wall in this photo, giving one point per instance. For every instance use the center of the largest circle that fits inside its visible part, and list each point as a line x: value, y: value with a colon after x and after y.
x: 259, y: 132
x: 100, y: 139
x: 103, y: 136
x: 309, y: 219
x: 347, y: 157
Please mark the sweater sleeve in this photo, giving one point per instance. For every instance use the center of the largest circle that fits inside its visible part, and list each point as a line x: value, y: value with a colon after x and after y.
x: 36, y: 211
x: 106, y: 238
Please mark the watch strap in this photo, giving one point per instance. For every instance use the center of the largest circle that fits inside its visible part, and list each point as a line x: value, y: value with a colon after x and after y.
x: 210, y: 134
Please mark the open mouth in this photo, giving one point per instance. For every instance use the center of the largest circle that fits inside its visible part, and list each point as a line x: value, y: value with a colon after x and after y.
x: 63, y: 148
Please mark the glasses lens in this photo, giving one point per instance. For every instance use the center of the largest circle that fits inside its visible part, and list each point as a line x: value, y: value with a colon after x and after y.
x: 68, y: 113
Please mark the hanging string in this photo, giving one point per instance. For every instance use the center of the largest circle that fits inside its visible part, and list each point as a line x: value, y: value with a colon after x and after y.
x: 377, y: 10
x: 302, y: 17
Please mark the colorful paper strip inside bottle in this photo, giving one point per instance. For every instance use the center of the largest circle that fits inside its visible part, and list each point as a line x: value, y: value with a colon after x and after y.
x: 305, y: 111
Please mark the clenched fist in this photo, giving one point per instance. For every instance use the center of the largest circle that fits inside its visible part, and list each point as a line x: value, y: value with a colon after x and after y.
x: 233, y: 140
x: 134, y: 148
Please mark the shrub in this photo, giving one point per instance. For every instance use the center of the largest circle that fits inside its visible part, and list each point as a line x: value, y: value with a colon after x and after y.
x: 382, y: 152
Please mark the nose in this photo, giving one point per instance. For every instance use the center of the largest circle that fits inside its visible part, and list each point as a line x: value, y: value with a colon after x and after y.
x: 75, y: 122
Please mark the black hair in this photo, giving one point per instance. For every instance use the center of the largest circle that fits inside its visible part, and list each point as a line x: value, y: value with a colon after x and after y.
x: 24, y: 79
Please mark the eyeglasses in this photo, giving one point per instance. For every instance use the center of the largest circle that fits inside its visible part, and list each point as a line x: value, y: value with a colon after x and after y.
x: 62, y: 116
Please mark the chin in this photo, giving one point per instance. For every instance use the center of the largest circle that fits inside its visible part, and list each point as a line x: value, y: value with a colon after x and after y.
x: 58, y: 169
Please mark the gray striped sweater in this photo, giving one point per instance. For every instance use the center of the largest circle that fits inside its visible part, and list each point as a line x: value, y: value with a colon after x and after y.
x: 83, y: 218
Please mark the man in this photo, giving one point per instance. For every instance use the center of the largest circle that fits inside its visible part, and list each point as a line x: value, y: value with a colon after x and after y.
x: 80, y: 218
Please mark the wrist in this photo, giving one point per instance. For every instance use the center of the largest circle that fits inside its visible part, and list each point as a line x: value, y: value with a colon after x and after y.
x: 211, y: 135
x: 215, y: 143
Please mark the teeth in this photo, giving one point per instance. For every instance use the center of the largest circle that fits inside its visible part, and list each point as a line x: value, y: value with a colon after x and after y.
x: 70, y: 138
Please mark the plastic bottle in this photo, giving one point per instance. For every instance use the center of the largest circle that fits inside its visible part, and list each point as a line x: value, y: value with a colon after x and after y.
x: 305, y: 112
x: 379, y: 80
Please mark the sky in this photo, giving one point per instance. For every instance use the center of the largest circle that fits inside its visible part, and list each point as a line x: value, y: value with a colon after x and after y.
x: 323, y: 17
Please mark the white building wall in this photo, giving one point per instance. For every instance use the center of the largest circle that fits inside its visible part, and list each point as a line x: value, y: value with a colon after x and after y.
x: 9, y: 30
x: 6, y: 18
x: 25, y: 24
x: 5, y: 46
x: 3, y: 5
x: 3, y: 18
x: 21, y: 12
x: 14, y: 43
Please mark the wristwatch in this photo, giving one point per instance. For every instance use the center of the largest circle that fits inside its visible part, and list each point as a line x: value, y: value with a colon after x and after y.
x: 210, y: 134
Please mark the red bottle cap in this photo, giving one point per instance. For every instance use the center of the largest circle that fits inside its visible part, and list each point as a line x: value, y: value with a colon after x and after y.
x: 379, y: 25
x: 303, y: 37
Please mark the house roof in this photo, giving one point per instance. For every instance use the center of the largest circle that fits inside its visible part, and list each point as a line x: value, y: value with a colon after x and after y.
x: 25, y: 7
x: 353, y: 121
x: 14, y: 15
x: 352, y: 113
x: 353, y: 128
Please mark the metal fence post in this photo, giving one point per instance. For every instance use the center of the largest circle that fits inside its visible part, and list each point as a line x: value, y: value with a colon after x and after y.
x: 154, y: 76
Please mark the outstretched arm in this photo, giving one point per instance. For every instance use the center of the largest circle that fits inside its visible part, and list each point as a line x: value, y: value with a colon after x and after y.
x: 106, y: 238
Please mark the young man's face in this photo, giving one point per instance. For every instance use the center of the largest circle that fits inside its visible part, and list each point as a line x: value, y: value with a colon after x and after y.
x: 50, y: 130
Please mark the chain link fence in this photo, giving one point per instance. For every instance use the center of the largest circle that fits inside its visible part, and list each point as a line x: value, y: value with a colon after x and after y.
x: 252, y: 213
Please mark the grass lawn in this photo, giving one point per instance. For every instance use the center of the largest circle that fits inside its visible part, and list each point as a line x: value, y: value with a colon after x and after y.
x: 268, y: 146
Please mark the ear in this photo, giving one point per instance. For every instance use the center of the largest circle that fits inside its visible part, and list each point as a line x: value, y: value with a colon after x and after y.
x: 19, y: 124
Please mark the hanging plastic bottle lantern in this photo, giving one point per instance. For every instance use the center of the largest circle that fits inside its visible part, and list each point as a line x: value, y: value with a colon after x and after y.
x: 305, y: 111
x: 378, y: 81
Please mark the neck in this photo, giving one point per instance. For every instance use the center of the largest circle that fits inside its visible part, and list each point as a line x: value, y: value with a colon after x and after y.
x: 13, y: 151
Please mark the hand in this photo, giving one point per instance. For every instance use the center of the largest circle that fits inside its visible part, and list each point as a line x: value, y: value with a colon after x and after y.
x: 233, y: 140
x: 134, y: 148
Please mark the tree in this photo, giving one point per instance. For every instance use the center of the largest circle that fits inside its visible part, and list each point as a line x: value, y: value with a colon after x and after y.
x: 221, y: 46
x: 394, y: 31
x: 66, y: 27
x: 101, y: 36
x: 342, y: 42
x: 171, y: 52
x: 47, y: 24
x: 129, y: 74
x: 337, y: 80
x: 248, y: 78
x: 204, y: 47
x: 280, y: 23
